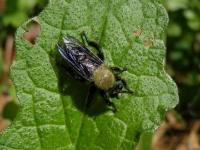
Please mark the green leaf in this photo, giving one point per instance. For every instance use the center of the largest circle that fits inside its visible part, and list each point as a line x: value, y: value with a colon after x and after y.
x: 174, y: 30
x: 145, y: 142
x: 14, y: 19
x: 174, y: 5
x: 53, y: 114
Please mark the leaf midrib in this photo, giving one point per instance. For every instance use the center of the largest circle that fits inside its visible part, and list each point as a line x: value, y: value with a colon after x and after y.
x: 100, y: 41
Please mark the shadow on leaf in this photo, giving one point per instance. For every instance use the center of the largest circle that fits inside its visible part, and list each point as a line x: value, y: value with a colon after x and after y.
x: 77, y: 90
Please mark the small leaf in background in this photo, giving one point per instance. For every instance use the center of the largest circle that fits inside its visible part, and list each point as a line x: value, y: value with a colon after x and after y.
x: 193, y: 19
x: 53, y: 114
x: 26, y: 5
x: 174, y: 5
x: 14, y: 19
x: 174, y: 30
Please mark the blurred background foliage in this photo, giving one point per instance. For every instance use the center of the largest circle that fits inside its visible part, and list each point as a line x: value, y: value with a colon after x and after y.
x: 183, y: 53
x: 12, y: 14
x: 183, y: 64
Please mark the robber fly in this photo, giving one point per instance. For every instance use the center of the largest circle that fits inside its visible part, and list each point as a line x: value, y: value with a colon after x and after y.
x: 87, y: 66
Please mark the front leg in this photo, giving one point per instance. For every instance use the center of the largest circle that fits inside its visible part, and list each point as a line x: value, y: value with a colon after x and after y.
x: 118, y: 70
x: 107, y: 100
x: 123, y: 84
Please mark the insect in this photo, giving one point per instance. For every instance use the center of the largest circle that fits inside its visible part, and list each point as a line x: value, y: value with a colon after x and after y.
x: 87, y: 66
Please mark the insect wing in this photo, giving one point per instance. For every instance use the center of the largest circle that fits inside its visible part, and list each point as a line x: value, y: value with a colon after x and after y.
x: 82, y: 61
x: 68, y: 57
x: 70, y: 41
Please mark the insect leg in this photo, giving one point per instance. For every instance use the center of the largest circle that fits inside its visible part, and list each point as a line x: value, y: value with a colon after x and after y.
x: 118, y: 70
x: 92, y: 44
x: 107, y: 100
x: 125, y: 85
x: 84, y: 38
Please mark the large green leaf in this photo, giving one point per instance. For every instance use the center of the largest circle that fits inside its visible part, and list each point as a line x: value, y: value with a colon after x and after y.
x: 53, y: 114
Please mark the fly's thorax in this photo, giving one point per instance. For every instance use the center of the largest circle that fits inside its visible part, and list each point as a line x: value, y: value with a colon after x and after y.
x: 103, y: 77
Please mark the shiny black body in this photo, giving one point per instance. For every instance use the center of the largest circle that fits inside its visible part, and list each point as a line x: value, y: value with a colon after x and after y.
x: 83, y: 62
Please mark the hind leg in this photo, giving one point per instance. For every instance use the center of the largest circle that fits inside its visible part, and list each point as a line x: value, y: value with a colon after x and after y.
x: 92, y: 44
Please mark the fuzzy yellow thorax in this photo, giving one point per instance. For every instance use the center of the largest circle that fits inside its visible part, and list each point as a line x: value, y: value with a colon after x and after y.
x: 103, y: 78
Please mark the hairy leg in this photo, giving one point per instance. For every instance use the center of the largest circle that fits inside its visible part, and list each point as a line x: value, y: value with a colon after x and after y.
x: 92, y: 44
x: 118, y: 70
x: 106, y: 99
x: 124, y: 84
